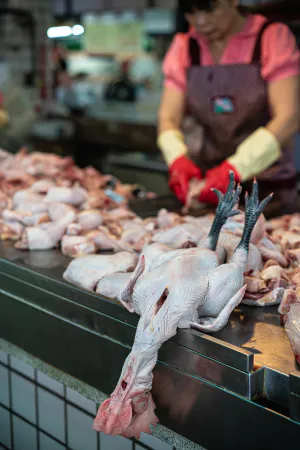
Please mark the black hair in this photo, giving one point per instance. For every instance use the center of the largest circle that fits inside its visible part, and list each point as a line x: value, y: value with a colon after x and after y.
x: 189, y: 6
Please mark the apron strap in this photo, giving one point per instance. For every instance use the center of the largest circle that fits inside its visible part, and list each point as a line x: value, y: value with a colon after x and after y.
x: 194, y: 53
x: 256, y: 58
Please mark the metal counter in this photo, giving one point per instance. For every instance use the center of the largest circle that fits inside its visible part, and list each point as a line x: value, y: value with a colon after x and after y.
x: 235, y: 389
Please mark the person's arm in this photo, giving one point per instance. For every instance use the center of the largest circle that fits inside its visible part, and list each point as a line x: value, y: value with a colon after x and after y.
x: 171, y: 142
x: 171, y: 111
x: 281, y: 71
x: 264, y: 147
x: 284, y: 100
x: 170, y: 116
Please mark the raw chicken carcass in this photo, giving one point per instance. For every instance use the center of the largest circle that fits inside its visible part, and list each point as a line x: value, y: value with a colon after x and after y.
x: 295, y: 222
x: 230, y: 241
x: 45, y: 236
x: 189, y: 289
x: 236, y: 227
x: 137, y: 237
x: 105, y: 241
x: 72, y: 196
x: 118, y: 214
x: 294, y: 255
x: 32, y: 208
x: 10, y: 230
x: 179, y: 236
x: 89, y: 220
x: 42, y: 186
x: 112, y: 285
x: 5, y: 202
x: 59, y: 212
x: 166, y: 219
x: 270, y: 251
x: 287, y: 239
x: 26, y: 219
x: 86, y: 221
x: 268, y: 286
x: 204, y: 222
x: 26, y: 196
x: 86, y: 272
x: 289, y: 310
x: 76, y: 246
x: 292, y: 328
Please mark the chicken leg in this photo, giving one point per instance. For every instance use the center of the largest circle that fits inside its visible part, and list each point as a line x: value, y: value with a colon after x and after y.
x: 226, y: 288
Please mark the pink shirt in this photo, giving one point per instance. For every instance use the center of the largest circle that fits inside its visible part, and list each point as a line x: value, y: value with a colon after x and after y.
x: 280, y: 55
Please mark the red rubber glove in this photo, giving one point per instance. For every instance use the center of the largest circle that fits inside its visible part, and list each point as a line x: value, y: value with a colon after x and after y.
x: 217, y: 178
x: 180, y: 173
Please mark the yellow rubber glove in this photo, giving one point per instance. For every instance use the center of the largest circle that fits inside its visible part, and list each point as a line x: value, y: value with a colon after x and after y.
x: 171, y: 143
x: 256, y: 154
x: 4, y: 118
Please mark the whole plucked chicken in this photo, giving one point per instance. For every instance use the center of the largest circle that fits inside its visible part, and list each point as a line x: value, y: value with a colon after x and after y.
x: 176, y: 289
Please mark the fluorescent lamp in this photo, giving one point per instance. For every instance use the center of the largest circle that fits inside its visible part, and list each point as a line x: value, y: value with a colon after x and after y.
x: 77, y: 30
x: 59, y: 32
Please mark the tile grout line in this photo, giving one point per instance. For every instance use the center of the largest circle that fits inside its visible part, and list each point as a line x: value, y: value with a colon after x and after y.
x: 37, y: 411
x: 41, y: 430
x: 66, y: 416
x: 10, y: 402
x: 50, y: 391
x: 63, y: 397
x: 98, y: 434
x: 98, y: 441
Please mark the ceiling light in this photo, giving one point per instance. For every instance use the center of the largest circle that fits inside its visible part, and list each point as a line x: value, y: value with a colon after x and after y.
x: 77, y: 30
x: 59, y: 32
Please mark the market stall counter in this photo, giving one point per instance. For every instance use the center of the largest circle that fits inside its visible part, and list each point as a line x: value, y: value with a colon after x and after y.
x: 209, y: 389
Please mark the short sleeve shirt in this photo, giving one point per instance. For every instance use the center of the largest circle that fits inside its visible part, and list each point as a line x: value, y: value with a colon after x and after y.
x: 279, y: 53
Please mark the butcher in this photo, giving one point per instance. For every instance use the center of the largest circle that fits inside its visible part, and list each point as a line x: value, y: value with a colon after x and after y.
x: 237, y: 75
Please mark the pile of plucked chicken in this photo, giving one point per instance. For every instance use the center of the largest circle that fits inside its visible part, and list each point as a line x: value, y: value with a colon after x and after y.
x: 47, y: 202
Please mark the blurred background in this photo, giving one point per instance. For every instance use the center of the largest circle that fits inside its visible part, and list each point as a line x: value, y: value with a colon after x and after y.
x: 84, y: 78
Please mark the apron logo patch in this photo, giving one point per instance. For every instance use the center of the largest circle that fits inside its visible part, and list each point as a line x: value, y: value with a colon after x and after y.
x: 223, y: 105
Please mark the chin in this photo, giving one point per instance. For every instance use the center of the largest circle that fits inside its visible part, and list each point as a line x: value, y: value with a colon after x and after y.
x: 210, y: 36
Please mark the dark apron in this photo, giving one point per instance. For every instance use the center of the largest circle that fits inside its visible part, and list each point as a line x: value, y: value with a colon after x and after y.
x: 244, y: 92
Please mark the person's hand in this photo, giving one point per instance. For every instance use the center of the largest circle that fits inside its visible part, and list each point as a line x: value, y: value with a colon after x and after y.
x: 217, y: 178
x: 192, y: 203
x: 180, y: 173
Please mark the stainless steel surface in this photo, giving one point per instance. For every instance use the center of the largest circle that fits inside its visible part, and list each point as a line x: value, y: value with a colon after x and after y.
x: 277, y: 386
x: 258, y: 330
x: 253, y: 336
x: 214, y: 381
x: 295, y: 396
x: 295, y: 382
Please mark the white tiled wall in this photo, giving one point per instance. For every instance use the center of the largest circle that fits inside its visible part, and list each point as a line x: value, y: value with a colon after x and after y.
x: 5, y: 432
x: 25, y: 435
x: 51, y: 414
x: 38, y: 412
x: 23, y: 397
